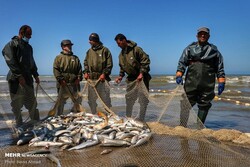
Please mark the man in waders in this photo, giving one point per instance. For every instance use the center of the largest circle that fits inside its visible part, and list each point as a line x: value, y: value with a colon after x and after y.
x: 98, y: 65
x: 204, y: 63
x: 67, y: 70
x: 135, y: 63
x: 18, y: 54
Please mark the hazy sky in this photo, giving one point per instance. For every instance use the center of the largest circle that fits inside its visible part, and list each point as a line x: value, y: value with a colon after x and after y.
x: 163, y: 28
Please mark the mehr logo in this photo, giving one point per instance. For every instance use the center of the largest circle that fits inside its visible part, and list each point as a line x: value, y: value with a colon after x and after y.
x: 11, y: 155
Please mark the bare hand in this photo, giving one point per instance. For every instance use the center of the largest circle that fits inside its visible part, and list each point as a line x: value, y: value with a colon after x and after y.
x: 102, y: 77
x: 86, y: 76
x: 140, y: 76
x: 37, y: 80
x: 118, y: 80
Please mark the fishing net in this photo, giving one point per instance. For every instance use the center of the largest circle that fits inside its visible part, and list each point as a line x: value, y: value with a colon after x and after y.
x: 179, y: 137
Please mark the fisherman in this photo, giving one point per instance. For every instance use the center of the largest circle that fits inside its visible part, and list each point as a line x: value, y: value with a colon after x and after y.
x: 135, y: 63
x: 204, y: 63
x: 67, y: 70
x: 98, y: 65
x: 18, y: 54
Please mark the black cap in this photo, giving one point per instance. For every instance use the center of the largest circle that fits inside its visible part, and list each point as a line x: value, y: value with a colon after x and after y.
x: 94, y: 37
x: 66, y: 42
x: 203, y: 29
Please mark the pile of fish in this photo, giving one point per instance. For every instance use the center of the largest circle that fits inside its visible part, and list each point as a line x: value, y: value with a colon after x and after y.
x: 80, y: 130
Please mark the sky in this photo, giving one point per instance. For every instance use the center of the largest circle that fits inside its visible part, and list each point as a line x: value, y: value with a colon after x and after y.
x: 162, y: 28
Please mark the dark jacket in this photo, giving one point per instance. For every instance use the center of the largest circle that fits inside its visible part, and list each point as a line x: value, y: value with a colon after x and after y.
x: 18, y: 55
x: 204, y: 63
x: 207, y: 54
x: 133, y: 61
x: 67, y: 67
x: 98, y: 61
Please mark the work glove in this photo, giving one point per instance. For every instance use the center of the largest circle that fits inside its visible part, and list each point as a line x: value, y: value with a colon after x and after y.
x: 140, y: 76
x: 102, y: 77
x: 118, y: 80
x: 221, y: 88
x: 86, y: 76
x: 179, y: 80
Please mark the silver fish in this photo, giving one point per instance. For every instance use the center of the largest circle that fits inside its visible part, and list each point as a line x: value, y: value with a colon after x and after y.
x: 65, y: 139
x: 84, y: 122
x: 108, y: 131
x: 134, y: 128
x: 46, y: 143
x: 112, y: 134
x: 61, y: 132
x: 106, y: 151
x: 50, y: 126
x: 135, y: 132
x: 88, y: 143
x: 125, y: 135
x: 134, y: 139
x: 145, y: 138
x: 38, y: 138
x: 136, y: 123
x: 115, y: 142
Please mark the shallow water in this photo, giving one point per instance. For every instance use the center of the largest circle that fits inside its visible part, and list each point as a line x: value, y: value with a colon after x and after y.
x: 228, y: 116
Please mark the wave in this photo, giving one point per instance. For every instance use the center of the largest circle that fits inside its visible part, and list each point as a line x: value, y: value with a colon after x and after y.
x: 238, y: 97
x: 38, y: 95
x: 238, y: 79
x: 4, y: 94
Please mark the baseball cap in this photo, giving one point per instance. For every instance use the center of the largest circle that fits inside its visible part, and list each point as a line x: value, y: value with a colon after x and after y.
x: 66, y: 42
x: 203, y: 29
